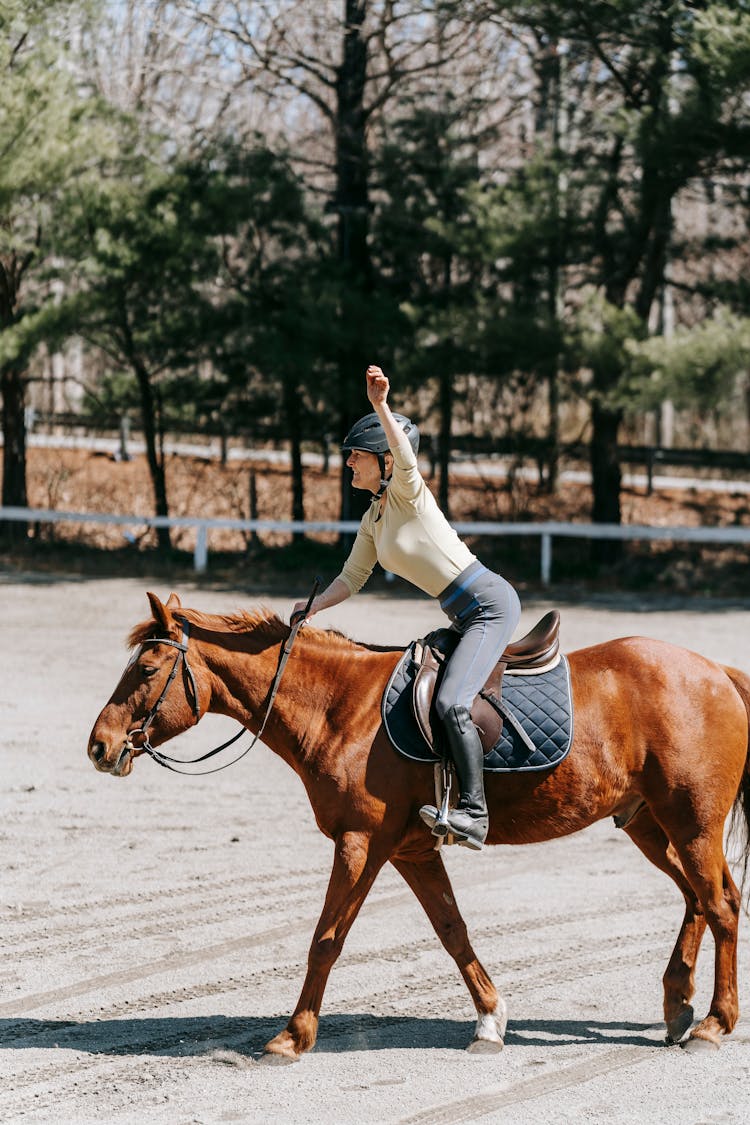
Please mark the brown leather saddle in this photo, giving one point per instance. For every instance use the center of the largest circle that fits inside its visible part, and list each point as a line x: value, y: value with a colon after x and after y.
x: 532, y: 653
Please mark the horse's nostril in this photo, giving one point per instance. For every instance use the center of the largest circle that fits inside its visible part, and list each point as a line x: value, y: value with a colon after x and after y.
x: 97, y: 751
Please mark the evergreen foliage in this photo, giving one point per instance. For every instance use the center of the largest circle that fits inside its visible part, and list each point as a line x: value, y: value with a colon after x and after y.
x: 521, y: 228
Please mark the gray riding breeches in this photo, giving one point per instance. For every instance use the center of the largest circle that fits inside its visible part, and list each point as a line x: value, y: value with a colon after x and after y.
x: 485, y: 610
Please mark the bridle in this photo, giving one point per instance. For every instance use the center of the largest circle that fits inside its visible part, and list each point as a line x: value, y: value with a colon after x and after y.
x: 137, y: 738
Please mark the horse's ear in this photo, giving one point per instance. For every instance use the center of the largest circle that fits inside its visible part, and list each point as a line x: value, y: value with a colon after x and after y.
x: 162, y: 614
x: 173, y: 601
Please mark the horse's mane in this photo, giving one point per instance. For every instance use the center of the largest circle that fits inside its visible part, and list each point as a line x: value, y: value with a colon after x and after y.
x: 264, y: 626
x: 262, y: 623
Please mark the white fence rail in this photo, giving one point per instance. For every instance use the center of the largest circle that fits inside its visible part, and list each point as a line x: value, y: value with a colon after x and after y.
x: 546, y: 531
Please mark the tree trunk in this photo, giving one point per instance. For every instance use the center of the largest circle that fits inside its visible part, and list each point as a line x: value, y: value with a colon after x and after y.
x: 155, y: 460
x: 650, y: 252
x: 549, y: 126
x: 14, y: 438
x: 444, y: 445
x: 294, y: 430
x: 351, y: 199
x: 605, y: 479
x: 351, y: 204
x: 14, y: 449
x: 550, y: 484
x: 13, y: 390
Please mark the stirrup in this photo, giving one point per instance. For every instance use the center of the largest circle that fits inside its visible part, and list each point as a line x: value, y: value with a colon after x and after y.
x: 437, y: 819
x: 434, y: 820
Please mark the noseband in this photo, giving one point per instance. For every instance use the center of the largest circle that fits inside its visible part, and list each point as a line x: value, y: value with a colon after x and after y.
x: 137, y: 738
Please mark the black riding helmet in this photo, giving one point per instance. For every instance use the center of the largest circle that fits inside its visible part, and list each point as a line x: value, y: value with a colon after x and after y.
x: 368, y: 435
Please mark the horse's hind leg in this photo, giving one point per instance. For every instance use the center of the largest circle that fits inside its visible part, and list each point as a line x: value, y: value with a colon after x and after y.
x: 706, y: 868
x: 679, y: 978
x: 429, y: 880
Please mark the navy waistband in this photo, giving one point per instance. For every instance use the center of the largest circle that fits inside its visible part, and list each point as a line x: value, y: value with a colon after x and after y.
x: 458, y: 591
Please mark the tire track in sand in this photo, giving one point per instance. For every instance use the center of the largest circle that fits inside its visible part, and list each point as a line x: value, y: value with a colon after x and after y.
x: 482, y: 1105
x: 103, y: 909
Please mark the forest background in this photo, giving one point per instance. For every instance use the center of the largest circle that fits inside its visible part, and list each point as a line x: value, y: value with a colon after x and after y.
x: 214, y: 214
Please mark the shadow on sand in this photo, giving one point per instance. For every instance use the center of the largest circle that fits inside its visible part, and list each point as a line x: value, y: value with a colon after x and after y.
x: 201, y: 1035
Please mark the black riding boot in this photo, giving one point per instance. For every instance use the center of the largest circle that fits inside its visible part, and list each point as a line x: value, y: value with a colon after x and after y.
x: 468, y: 821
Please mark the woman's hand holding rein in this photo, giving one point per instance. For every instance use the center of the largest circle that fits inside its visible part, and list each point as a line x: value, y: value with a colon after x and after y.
x: 337, y: 592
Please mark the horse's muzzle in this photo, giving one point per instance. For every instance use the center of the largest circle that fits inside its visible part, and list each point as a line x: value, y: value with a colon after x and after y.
x: 119, y: 767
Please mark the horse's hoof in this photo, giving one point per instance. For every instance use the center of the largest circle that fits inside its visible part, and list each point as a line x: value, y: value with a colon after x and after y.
x: 485, y: 1046
x: 699, y: 1045
x: 488, y: 1033
x: 677, y: 1028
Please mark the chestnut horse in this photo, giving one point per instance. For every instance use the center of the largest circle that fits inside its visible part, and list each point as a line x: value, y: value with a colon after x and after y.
x: 661, y: 743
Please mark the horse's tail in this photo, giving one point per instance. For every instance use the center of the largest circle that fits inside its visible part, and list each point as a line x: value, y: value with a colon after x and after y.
x: 739, y: 825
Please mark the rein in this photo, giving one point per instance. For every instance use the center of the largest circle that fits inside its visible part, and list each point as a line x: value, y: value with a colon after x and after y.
x: 140, y: 733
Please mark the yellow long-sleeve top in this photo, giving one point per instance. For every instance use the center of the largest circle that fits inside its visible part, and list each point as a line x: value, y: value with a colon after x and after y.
x: 412, y: 537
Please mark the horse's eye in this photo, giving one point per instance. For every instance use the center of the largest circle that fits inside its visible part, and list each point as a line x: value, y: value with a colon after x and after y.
x: 148, y: 672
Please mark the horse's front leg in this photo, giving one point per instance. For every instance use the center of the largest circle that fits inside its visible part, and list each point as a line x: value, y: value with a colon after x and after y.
x: 429, y: 880
x: 354, y: 872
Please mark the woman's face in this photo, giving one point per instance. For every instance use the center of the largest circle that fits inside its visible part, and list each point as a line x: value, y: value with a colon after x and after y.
x: 365, y: 470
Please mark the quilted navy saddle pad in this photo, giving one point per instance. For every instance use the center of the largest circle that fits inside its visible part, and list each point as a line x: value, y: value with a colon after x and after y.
x: 541, y: 702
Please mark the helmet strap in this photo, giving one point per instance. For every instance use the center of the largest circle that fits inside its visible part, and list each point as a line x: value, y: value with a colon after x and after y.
x: 384, y: 482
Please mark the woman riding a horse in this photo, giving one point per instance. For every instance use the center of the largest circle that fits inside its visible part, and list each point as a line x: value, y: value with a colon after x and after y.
x: 405, y: 531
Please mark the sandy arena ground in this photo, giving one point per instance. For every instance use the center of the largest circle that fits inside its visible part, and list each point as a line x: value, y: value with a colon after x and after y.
x: 149, y: 924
